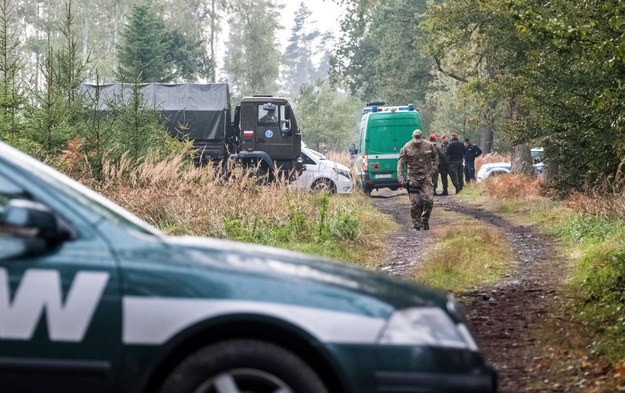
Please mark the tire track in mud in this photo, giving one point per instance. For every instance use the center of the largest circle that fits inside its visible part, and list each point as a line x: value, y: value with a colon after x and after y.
x: 506, y: 316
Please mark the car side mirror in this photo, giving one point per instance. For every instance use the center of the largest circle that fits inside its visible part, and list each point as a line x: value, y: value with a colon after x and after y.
x: 353, y: 149
x: 28, y: 219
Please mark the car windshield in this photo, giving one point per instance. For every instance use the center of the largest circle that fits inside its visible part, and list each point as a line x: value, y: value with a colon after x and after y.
x: 77, y: 191
x: 317, y: 154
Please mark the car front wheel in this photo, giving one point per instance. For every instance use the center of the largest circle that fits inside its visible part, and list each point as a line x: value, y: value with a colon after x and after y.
x: 243, y: 366
x: 324, y: 184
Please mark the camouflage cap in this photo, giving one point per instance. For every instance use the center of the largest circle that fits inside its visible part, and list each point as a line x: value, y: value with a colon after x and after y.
x: 416, y: 134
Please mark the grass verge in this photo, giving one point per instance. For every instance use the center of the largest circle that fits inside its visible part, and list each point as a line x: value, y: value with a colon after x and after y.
x: 465, y: 256
x: 586, y: 335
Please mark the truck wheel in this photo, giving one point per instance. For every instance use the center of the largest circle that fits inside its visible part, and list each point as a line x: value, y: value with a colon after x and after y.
x: 243, y: 366
x: 324, y: 184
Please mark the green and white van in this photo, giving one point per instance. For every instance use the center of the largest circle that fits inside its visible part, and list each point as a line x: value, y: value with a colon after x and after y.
x: 383, y: 132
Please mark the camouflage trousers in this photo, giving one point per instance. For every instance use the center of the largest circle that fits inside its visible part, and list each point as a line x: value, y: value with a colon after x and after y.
x: 421, y: 196
x: 443, y: 170
x: 456, y: 173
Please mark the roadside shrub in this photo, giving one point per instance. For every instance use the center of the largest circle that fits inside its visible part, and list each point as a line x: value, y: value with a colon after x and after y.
x: 603, y: 271
x: 513, y: 186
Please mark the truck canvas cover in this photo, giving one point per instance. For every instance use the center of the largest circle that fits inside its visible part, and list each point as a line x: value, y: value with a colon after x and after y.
x: 196, y: 111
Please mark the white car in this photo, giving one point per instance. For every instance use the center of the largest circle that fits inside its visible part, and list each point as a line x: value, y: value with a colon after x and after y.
x: 500, y: 168
x: 492, y: 169
x: 323, y: 174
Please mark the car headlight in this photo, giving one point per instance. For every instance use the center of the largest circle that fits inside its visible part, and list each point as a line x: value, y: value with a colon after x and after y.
x: 426, y: 326
x: 343, y: 172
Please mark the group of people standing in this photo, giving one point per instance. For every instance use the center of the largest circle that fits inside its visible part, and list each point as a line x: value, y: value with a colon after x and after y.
x: 456, y: 160
x: 424, y: 161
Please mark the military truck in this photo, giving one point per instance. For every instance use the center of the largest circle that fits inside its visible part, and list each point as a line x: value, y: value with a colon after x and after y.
x: 383, y: 132
x: 262, y: 134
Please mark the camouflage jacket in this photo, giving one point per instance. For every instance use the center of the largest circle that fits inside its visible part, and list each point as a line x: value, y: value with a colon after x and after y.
x: 421, y: 159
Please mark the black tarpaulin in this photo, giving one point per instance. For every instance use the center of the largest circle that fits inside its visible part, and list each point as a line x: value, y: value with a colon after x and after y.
x: 192, y: 110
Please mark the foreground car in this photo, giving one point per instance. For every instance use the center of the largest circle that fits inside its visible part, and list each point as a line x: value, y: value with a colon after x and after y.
x: 92, y: 299
x: 322, y: 174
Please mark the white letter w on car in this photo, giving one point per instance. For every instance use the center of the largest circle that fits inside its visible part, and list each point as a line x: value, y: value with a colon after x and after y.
x: 41, y: 289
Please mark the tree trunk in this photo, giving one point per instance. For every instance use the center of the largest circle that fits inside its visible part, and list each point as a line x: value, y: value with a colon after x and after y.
x: 522, y: 160
x: 551, y: 168
x: 486, y: 139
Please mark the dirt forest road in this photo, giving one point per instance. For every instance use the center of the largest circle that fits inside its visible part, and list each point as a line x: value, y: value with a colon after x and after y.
x: 505, y: 317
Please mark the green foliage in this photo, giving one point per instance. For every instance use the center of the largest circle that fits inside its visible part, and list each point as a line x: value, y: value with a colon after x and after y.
x: 380, y: 55
x: 12, y: 96
x: 335, y: 223
x: 143, y: 50
x: 52, y: 121
x: 252, y: 54
x: 187, y: 57
x: 572, y: 82
x: 300, y: 50
x: 326, y: 117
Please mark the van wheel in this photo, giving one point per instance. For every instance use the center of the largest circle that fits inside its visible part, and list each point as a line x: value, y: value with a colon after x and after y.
x: 324, y: 184
x: 238, y: 366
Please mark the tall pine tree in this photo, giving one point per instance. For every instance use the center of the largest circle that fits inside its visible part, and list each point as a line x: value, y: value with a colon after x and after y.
x: 11, y: 94
x: 253, y: 52
x: 300, y: 51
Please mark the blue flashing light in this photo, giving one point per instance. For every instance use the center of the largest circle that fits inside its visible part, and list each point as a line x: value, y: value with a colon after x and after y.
x: 410, y: 107
x: 374, y: 108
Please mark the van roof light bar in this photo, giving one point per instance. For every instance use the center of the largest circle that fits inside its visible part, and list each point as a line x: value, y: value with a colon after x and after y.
x: 376, y: 108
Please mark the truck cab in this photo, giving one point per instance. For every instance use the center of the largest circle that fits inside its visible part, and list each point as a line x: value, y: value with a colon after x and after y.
x: 269, y: 133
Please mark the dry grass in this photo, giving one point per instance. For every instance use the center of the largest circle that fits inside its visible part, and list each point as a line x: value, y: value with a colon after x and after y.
x: 514, y: 186
x: 603, y: 202
x: 342, y: 157
x: 181, y: 199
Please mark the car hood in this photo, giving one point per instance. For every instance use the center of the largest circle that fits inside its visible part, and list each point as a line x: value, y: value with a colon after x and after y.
x: 301, y: 276
x: 333, y: 164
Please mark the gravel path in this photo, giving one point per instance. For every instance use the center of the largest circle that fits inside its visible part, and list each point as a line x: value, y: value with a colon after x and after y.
x: 505, y: 316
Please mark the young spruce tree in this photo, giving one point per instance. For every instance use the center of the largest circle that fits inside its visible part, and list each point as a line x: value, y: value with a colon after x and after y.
x: 143, y: 50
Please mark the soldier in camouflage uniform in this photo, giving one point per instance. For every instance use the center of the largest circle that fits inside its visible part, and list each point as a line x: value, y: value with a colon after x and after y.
x: 421, y: 158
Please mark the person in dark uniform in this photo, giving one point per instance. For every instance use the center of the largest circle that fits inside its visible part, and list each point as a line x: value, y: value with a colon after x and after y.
x: 455, y: 155
x: 471, y: 152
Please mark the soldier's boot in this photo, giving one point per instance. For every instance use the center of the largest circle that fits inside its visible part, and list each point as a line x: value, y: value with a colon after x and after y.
x: 444, y: 193
x: 426, y: 226
x: 416, y: 227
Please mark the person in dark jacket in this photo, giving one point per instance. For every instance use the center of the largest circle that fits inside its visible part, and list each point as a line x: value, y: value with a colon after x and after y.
x: 471, y: 152
x: 455, y: 155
